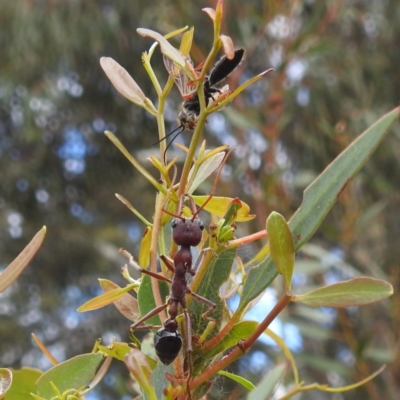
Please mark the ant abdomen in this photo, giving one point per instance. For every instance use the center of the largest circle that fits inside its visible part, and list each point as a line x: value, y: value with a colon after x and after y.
x: 168, y: 345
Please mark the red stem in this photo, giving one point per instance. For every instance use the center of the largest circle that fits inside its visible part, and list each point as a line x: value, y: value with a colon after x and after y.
x: 243, y: 346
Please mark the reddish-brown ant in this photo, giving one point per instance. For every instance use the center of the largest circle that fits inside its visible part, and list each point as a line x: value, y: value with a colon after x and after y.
x: 186, y: 233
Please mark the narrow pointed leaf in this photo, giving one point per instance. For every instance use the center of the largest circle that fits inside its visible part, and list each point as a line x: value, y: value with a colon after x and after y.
x: 220, y: 105
x: 71, y: 374
x: 186, y: 43
x: 117, y: 143
x: 205, y: 170
x: 14, y: 270
x: 144, y: 253
x: 281, y: 246
x: 321, y: 195
x: 218, y: 206
x: 266, y: 387
x: 105, y: 298
x: 319, y: 198
x: 354, y: 292
x: 166, y: 48
x: 244, y: 382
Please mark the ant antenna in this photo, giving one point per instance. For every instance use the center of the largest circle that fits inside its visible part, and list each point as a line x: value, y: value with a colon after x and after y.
x: 182, y: 128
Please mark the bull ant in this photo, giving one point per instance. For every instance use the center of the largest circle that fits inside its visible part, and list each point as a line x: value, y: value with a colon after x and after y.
x: 186, y: 233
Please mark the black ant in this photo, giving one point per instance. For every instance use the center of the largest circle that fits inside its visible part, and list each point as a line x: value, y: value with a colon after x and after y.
x: 191, y: 104
x: 186, y: 233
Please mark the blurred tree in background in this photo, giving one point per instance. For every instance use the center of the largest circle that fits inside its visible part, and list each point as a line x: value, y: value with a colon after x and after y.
x: 336, y: 73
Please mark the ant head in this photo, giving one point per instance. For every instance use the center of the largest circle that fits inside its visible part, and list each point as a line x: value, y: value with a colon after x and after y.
x: 187, y: 231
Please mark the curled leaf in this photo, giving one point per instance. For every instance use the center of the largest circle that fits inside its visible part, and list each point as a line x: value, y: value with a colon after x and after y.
x: 218, y: 206
x: 6, y: 378
x: 127, y: 305
x: 227, y: 46
x: 210, y: 12
x: 14, y: 270
x: 166, y: 48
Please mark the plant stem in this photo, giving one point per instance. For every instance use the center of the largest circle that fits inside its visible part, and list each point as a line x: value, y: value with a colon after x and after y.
x: 243, y: 346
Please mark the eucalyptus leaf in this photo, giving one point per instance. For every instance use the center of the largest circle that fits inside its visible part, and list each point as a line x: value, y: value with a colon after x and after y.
x: 23, y: 383
x: 266, y: 387
x: 354, y: 292
x: 319, y: 198
x: 71, y: 374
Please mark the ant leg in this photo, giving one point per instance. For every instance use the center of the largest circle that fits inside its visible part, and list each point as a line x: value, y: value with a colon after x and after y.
x: 142, y: 270
x: 211, y: 321
x: 168, y: 263
x: 205, y: 301
x: 150, y: 314
x: 193, y: 270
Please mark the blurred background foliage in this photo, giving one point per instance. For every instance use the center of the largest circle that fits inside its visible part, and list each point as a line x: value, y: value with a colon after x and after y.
x: 336, y: 73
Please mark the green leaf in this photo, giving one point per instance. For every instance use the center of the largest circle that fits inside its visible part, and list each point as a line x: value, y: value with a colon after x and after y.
x: 216, y: 275
x: 117, y: 350
x: 146, y: 299
x: 144, y: 253
x: 23, y: 383
x: 319, y: 198
x: 265, y: 388
x: 281, y: 246
x: 231, y: 212
x: 355, y: 292
x: 322, y: 194
x: 244, y: 382
x: 71, y: 374
x: 241, y: 330
x: 6, y: 379
x: 14, y: 270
